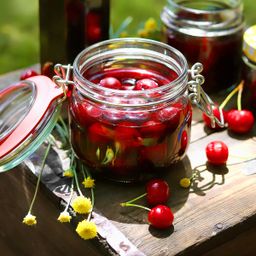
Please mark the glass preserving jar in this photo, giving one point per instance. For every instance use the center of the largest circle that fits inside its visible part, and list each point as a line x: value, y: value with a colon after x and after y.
x: 208, y: 31
x: 249, y: 68
x: 129, y: 109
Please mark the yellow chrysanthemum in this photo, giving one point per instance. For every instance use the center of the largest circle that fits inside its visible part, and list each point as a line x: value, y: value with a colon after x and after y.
x: 150, y: 25
x: 29, y: 220
x: 86, y: 229
x: 64, y: 217
x: 143, y: 33
x: 68, y: 173
x: 88, y: 182
x: 82, y: 205
x: 185, y: 182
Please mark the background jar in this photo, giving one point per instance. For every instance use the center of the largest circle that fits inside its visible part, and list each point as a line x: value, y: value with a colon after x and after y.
x: 249, y: 68
x: 126, y: 134
x: 210, y: 32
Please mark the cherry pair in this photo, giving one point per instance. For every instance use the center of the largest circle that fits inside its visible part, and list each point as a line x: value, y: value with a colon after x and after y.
x: 157, y: 194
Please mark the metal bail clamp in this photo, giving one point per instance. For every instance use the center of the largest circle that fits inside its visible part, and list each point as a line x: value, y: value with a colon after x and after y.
x: 199, y: 98
x: 62, y: 78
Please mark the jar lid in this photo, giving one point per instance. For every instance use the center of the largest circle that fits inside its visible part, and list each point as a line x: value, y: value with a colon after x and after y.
x: 249, y: 45
x: 28, y: 112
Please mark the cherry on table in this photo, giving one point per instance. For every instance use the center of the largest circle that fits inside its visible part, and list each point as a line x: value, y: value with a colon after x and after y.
x: 217, y: 152
x: 240, y: 121
x: 158, y: 192
x: 160, y: 217
x: 28, y: 73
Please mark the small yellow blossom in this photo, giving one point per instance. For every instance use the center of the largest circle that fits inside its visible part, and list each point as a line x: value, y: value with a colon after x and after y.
x: 185, y: 182
x: 86, y: 229
x: 68, y: 173
x: 143, y: 33
x: 29, y: 220
x: 82, y: 205
x: 123, y: 34
x: 150, y: 25
x: 88, y: 182
x: 64, y: 217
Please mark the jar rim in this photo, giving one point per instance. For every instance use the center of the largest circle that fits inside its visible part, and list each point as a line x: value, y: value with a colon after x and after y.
x: 177, y: 83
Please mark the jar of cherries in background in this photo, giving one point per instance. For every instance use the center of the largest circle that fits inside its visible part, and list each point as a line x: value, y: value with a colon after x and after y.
x: 210, y: 32
x: 249, y: 67
x: 130, y: 114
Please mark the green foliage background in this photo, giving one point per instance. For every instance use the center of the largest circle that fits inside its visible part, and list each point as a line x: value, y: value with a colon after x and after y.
x: 19, y: 32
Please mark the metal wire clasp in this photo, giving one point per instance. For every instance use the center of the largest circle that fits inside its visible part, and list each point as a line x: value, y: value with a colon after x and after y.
x: 62, y: 77
x: 199, y: 98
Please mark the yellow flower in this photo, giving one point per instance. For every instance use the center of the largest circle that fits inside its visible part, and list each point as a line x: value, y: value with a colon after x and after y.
x: 68, y: 173
x: 64, y: 217
x: 150, y: 25
x: 82, y: 204
x: 185, y: 182
x: 86, y: 229
x: 88, y: 182
x: 29, y: 220
x: 143, y: 33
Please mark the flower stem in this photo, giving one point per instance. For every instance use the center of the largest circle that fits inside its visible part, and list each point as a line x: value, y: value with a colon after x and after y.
x: 76, y: 180
x: 64, y: 126
x: 135, y: 205
x: 239, y: 96
x: 87, y: 174
x: 230, y: 95
x: 71, y: 195
x: 39, y: 177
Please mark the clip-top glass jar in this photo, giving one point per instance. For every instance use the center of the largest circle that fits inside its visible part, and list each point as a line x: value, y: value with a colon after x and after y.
x: 209, y: 32
x: 129, y: 106
x: 249, y: 68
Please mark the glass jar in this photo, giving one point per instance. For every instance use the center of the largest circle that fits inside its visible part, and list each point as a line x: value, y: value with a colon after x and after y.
x: 249, y: 68
x: 129, y: 109
x: 127, y: 133
x: 209, y: 32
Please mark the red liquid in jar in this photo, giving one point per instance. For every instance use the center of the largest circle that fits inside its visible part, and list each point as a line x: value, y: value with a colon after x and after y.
x: 126, y: 144
x: 220, y: 56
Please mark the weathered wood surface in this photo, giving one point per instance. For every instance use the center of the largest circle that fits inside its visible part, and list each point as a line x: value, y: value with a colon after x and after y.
x: 217, y: 212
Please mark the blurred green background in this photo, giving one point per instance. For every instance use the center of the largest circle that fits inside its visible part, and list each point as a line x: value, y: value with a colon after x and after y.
x: 19, y: 32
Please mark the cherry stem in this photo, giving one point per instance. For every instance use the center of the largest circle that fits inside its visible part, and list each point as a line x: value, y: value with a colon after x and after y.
x: 231, y: 94
x: 135, y: 205
x: 135, y: 199
x: 239, y: 96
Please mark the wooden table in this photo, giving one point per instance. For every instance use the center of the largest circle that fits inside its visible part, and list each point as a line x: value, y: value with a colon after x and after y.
x: 215, y: 216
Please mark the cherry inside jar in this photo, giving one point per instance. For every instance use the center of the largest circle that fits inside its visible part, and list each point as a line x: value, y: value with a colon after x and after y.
x: 130, y: 115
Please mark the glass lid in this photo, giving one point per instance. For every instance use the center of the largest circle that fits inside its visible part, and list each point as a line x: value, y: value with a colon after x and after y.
x: 28, y: 112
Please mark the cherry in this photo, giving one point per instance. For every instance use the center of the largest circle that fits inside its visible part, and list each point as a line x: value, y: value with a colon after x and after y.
x: 145, y: 84
x: 99, y: 133
x: 28, y: 73
x: 216, y: 113
x: 111, y: 82
x: 240, y: 121
x: 152, y: 128
x: 217, y: 152
x: 158, y: 192
x: 183, y: 142
x: 160, y: 217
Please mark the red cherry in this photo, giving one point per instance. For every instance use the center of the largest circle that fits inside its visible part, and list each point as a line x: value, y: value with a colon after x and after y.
x: 28, y: 73
x: 152, y: 129
x: 158, y: 192
x: 99, y: 133
x: 170, y: 116
x: 216, y: 113
x: 160, y: 217
x: 240, y: 121
x: 183, y: 142
x: 145, y: 84
x: 217, y: 152
x: 111, y: 82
